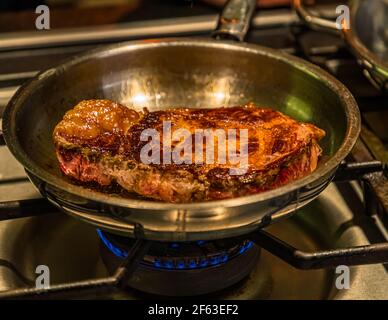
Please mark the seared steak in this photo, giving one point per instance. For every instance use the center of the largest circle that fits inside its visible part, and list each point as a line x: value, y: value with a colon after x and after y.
x: 101, y: 141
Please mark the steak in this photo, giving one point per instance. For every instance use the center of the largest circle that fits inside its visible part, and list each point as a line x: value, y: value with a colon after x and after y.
x: 103, y: 142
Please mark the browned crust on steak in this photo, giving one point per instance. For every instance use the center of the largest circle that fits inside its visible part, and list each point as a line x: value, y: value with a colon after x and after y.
x: 98, y: 126
x: 99, y: 141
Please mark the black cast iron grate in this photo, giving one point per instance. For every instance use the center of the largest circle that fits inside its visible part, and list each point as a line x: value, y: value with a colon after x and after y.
x: 360, y: 255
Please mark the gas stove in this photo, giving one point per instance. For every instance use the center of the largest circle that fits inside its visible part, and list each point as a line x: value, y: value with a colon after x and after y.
x: 297, y: 258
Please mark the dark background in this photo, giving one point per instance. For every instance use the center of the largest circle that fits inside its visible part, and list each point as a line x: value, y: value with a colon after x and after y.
x: 19, y: 15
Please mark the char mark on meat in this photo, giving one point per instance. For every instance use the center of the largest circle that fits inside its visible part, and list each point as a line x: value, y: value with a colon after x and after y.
x: 98, y: 141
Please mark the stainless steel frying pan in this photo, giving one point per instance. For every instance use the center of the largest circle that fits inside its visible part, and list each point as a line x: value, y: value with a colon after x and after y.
x: 367, y: 35
x: 181, y: 72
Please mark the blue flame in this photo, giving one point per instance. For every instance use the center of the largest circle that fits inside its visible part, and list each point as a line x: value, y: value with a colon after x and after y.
x: 117, y: 251
x: 204, y: 262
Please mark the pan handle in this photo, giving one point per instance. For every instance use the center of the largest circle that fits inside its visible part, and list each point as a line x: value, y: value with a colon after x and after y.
x: 235, y: 19
x: 315, y: 22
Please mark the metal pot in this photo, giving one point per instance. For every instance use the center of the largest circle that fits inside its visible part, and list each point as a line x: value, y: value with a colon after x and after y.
x: 367, y: 35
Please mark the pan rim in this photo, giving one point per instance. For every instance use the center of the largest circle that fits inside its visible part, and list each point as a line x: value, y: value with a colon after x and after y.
x: 344, y: 95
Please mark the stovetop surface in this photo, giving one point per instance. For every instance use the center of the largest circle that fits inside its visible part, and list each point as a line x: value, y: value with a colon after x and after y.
x: 71, y: 249
x: 336, y: 219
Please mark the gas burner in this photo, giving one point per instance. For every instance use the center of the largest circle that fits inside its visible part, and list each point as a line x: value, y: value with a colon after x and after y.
x: 183, y: 268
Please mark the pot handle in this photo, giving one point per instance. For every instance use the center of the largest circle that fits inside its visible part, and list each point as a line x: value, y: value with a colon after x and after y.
x: 235, y: 19
x: 315, y: 22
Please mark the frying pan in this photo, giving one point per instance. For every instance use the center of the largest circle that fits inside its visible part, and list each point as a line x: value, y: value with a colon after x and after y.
x: 367, y: 35
x: 194, y: 72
